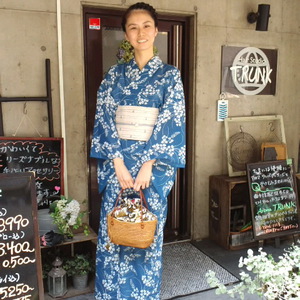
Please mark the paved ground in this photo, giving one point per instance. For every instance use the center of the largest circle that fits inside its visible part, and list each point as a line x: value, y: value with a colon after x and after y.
x: 226, y: 258
x: 210, y: 295
x: 207, y: 295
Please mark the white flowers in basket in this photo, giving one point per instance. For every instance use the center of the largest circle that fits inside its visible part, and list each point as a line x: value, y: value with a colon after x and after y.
x: 67, y: 216
x: 273, y: 280
x: 69, y: 210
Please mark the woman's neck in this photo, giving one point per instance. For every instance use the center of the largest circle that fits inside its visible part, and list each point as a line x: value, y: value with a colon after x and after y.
x: 142, y: 58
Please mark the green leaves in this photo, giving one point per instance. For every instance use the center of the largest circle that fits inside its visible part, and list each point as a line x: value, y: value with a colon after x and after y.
x: 80, y: 264
x: 126, y: 52
x: 266, y: 277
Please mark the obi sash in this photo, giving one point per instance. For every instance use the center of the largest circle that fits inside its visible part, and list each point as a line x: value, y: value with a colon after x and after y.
x: 135, y: 122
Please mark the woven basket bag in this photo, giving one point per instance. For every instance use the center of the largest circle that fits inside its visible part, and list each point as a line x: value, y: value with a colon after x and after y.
x: 137, y: 235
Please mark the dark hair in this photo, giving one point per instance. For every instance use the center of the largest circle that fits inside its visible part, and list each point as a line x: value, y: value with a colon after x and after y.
x: 141, y: 6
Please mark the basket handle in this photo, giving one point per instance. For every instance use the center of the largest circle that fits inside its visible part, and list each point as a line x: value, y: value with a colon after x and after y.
x: 142, y: 197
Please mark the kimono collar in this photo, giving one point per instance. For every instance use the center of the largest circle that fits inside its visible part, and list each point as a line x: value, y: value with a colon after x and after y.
x: 153, y: 64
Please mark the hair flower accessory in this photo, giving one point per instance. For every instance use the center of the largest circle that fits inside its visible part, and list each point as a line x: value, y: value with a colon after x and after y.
x: 126, y: 52
x: 67, y: 216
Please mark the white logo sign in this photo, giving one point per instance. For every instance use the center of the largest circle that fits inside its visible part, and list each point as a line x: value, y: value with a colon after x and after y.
x: 251, y: 71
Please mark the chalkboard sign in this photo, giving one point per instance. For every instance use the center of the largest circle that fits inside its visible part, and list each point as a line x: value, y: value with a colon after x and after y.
x: 20, y: 258
x: 273, y: 199
x: 43, y: 156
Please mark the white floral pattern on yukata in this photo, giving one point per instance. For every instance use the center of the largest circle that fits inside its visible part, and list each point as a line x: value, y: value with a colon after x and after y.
x: 126, y: 273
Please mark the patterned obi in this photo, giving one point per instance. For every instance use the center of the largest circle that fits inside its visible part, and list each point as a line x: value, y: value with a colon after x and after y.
x: 135, y: 122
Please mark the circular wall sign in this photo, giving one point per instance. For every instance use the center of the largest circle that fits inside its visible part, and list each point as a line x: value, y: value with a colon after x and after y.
x: 251, y: 71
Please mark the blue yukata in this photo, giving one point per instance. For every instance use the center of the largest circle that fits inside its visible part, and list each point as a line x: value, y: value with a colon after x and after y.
x: 126, y: 273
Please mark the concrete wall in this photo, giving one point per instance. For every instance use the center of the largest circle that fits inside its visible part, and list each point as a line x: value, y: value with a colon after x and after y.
x: 28, y: 36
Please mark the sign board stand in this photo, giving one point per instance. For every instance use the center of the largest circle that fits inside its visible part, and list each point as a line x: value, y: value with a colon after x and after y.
x: 20, y: 256
x: 273, y: 199
x: 277, y: 243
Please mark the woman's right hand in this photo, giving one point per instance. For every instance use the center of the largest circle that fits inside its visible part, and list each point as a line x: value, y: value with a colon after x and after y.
x: 124, y: 177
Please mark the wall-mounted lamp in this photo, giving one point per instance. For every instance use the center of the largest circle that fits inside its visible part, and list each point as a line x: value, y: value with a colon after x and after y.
x: 261, y: 17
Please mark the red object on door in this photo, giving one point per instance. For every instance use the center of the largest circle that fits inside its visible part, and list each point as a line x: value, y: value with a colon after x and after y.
x: 94, y: 23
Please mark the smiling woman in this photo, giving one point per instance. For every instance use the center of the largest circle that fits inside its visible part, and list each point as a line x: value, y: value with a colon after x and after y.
x: 141, y: 32
x: 137, y: 91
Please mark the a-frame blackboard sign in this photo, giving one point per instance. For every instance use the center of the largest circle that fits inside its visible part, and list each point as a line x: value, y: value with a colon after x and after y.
x: 273, y: 199
x: 20, y: 256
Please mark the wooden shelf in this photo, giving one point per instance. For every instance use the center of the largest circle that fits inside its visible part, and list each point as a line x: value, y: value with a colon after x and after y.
x: 226, y: 194
x: 78, y: 238
x: 73, y: 292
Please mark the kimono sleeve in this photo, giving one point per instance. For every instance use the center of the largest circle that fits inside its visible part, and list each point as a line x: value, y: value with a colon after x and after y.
x: 105, y: 141
x: 167, y: 143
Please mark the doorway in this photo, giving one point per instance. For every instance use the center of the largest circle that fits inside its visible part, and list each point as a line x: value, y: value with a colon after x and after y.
x: 102, y: 36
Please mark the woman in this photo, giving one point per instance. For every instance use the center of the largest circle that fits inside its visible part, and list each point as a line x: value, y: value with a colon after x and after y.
x: 129, y: 158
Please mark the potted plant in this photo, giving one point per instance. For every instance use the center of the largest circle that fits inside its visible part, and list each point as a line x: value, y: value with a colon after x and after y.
x: 78, y: 267
x: 67, y: 216
x: 267, y: 277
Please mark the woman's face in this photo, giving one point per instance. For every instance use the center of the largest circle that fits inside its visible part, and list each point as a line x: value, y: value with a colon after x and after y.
x: 140, y: 30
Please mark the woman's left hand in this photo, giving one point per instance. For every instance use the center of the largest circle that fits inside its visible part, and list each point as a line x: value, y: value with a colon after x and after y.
x: 143, y: 178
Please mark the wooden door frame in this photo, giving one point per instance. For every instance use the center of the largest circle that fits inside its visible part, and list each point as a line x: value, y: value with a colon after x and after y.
x: 188, y: 80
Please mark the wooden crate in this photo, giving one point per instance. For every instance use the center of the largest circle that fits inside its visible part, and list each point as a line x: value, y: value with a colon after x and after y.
x: 240, y: 239
x: 226, y: 193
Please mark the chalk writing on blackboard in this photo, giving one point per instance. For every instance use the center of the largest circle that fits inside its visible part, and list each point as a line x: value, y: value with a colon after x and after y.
x: 42, y: 156
x: 20, y: 264
x: 273, y: 198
